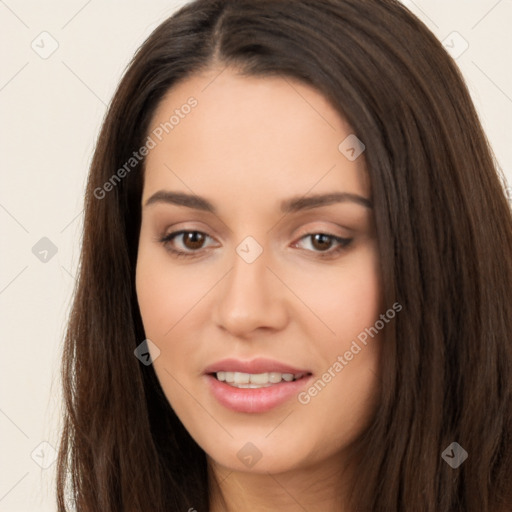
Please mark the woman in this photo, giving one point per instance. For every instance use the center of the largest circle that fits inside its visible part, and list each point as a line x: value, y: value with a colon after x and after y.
x: 295, y: 284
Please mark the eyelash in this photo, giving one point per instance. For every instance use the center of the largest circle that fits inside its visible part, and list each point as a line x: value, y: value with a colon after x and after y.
x: 165, y: 240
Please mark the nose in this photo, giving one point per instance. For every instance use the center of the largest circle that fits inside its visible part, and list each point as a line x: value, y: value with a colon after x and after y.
x: 251, y: 297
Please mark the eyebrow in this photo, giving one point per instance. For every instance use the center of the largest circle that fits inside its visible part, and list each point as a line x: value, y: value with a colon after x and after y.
x: 293, y: 204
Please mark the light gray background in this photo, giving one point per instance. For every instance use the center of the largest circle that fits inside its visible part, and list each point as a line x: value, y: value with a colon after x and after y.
x: 51, y: 112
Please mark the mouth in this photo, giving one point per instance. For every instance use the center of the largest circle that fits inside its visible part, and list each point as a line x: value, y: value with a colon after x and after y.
x: 243, y: 380
x: 255, y: 386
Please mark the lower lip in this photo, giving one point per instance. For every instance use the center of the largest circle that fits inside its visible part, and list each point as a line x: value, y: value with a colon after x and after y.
x: 255, y: 400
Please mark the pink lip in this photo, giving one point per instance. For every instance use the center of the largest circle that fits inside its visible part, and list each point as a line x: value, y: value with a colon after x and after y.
x: 254, y: 400
x: 258, y: 365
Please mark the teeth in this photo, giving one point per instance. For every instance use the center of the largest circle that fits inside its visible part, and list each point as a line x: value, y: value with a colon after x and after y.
x: 242, y: 378
x: 256, y: 380
x: 274, y: 377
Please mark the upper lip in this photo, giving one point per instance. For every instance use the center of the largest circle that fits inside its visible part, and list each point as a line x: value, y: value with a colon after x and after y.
x: 254, y: 366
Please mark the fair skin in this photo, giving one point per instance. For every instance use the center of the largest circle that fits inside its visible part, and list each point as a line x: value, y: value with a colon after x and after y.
x: 251, y: 143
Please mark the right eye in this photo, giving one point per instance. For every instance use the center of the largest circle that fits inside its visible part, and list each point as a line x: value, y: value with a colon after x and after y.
x: 191, y: 240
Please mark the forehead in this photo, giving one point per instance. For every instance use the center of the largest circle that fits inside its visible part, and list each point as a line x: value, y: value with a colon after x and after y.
x: 246, y: 135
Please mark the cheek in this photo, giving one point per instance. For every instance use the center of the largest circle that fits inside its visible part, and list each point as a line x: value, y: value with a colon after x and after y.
x: 347, y: 299
x: 345, y: 395
x: 361, y: 303
x: 341, y: 401
x: 156, y: 300
x: 165, y: 291
x: 166, y: 295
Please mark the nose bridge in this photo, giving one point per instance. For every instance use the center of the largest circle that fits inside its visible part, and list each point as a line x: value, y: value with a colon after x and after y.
x: 248, y: 280
x: 250, y: 296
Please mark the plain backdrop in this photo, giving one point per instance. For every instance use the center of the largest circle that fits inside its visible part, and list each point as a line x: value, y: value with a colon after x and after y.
x: 61, y: 62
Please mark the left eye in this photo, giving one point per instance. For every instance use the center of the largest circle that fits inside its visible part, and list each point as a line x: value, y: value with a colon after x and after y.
x: 193, y: 242
x: 322, y: 242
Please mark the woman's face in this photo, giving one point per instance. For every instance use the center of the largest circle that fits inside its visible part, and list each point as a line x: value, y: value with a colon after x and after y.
x: 271, y: 284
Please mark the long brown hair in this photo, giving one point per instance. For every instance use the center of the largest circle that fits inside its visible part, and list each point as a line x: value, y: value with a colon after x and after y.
x: 444, y: 230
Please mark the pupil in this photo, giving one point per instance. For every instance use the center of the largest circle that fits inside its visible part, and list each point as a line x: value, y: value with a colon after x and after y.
x: 324, y: 240
x: 195, y: 238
